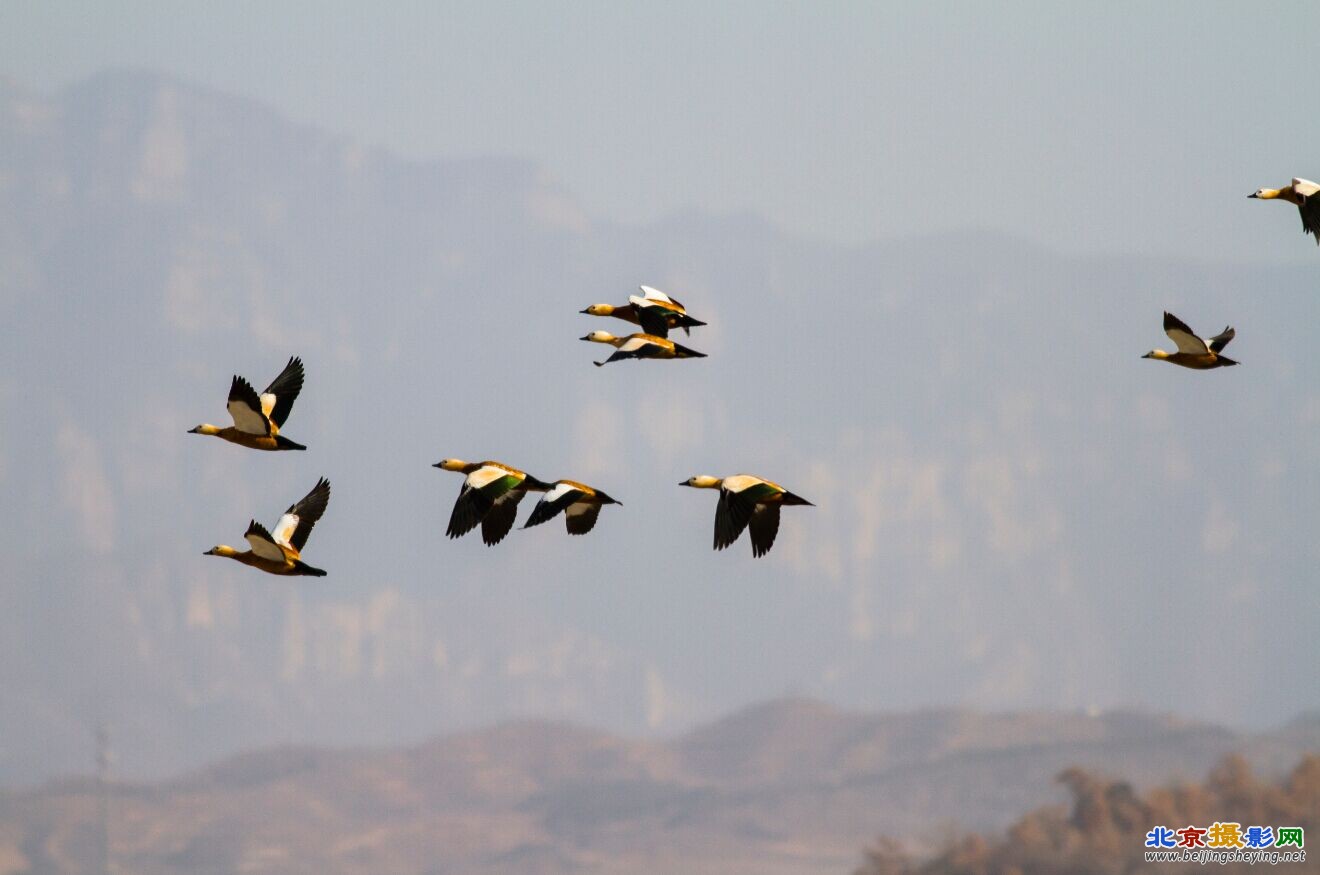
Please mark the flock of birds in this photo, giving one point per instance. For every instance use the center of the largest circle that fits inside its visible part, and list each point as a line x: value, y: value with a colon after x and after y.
x: 491, y: 490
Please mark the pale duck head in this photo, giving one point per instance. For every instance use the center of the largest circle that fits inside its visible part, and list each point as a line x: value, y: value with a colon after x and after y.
x: 702, y: 481
x: 1265, y: 193
x: 600, y: 337
x: 599, y: 310
x: 221, y: 550
x: 450, y: 465
x: 1157, y: 354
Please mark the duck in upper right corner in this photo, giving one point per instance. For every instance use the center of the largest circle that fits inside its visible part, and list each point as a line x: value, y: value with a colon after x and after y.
x: 1301, y: 194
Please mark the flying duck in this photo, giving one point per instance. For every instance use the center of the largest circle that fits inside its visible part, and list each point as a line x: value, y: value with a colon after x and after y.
x: 489, y: 496
x: 654, y: 311
x: 258, y: 418
x: 1300, y: 194
x: 280, y: 552
x: 641, y: 346
x: 1193, y: 352
x: 747, y: 502
x: 580, y: 503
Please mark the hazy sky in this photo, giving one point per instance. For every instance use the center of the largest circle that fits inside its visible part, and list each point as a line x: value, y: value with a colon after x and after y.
x: 1118, y: 127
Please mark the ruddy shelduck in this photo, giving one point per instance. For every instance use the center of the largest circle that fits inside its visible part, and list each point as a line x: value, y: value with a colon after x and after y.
x: 258, y: 418
x: 489, y: 497
x: 1301, y: 194
x: 747, y: 502
x: 579, y: 502
x: 280, y: 552
x: 1193, y: 351
x: 641, y: 346
x: 653, y: 310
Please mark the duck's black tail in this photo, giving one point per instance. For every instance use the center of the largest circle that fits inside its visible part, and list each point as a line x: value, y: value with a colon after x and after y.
x: 790, y: 499
x: 283, y: 443
x: 1225, y: 361
x: 687, y: 323
x: 302, y: 568
x: 682, y: 352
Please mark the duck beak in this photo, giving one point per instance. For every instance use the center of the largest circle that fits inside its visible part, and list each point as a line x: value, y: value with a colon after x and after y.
x: 193, y: 430
x: 1253, y: 194
x: 585, y: 312
x: 1146, y: 356
x: 588, y: 337
x: 684, y: 483
x: 438, y: 465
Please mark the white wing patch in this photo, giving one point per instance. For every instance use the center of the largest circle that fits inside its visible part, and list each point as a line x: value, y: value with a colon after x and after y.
x: 1188, y: 343
x: 634, y: 343
x: 284, y: 530
x: 738, y: 482
x: 665, y: 306
x: 1305, y: 187
x: 485, y: 476
x: 559, y: 492
x: 655, y: 295
x: 267, y: 404
x: 266, y: 549
x: 246, y: 419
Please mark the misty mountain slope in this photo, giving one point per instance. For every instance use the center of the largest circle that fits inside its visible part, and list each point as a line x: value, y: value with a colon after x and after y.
x: 552, y: 797
x: 1013, y: 509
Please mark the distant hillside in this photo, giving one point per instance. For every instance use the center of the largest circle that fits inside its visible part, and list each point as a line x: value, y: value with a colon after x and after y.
x: 793, y: 786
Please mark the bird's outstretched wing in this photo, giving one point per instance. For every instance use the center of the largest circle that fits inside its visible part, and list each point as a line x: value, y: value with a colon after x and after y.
x: 480, y: 490
x: 277, y: 400
x: 1183, y: 336
x: 581, y: 516
x: 469, y: 510
x: 263, y: 544
x: 245, y: 408
x: 656, y: 295
x: 499, y: 520
x: 557, y: 499
x: 1310, y: 210
x: 732, y: 514
x: 1219, y: 341
x: 763, y: 527
x: 296, y: 524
